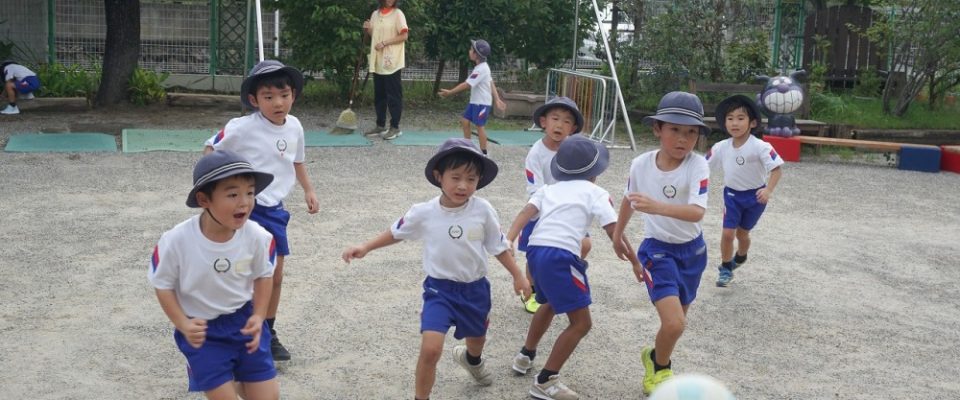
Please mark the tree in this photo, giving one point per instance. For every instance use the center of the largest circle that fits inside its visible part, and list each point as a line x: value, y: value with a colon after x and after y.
x: 122, y: 50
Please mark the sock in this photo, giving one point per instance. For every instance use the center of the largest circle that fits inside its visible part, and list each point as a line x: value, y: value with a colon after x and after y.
x: 474, y: 361
x: 532, y: 291
x: 545, y: 375
x: 529, y: 353
x: 727, y: 264
x: 740, y: 259
x: 14, y: 104
x: 658, y: 367
x: 270, y: 322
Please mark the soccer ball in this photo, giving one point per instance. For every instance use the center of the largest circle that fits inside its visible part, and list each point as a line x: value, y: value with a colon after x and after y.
x: 692, y: 387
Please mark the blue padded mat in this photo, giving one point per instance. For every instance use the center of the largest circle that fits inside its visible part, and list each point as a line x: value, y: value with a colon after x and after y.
x: 325, y: 139
x: 140, y: 140
x: 61, y: 143
x: 514, y: 138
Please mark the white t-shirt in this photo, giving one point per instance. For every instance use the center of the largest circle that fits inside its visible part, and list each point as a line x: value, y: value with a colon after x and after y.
x: 455, y: 241
x: 537, y: 167
x: 211, y: 279
x: 16, y: 71
x: 479, y: 81
x: 268, y: 148
x: 687, y: 184
x: 747, y: 167
x: 567, y: 208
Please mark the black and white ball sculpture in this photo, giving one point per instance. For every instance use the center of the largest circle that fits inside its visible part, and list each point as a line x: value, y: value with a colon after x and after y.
x: 780, y: 97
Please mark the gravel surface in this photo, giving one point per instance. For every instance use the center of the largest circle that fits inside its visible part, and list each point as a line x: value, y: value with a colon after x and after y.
x: 851, y: 291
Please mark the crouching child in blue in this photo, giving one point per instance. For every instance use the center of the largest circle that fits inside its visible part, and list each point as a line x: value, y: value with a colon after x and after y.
x: 213, y: 276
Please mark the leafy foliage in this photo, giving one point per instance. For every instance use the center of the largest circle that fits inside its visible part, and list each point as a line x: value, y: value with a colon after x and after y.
x: 146, y: 87
x: 59, y: 80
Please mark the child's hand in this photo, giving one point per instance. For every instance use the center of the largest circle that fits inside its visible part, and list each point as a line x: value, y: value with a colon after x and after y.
x: 521, y: 286
x: 313, y: 205
x: 621, y: 249
x: 195, y: 330
x: 253, y: 328
x: 353, y: 252
x: 642, y: 203
x: 501, y: 105
x: 639, y: 272
x: 763, y: 196
x: 444, y: 93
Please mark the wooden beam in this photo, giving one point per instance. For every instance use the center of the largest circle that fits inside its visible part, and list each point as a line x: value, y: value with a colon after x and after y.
x: 866, y: 144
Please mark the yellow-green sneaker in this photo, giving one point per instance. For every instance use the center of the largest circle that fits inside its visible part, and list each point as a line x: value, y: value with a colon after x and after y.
x: 648, y: 370
x: 658, y: 378
x: 531, y: 304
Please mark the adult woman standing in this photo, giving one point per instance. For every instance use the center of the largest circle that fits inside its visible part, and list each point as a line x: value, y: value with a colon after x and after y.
x: 387, y: 27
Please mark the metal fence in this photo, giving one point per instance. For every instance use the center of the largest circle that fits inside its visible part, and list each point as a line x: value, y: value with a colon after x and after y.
x: 596, y: 97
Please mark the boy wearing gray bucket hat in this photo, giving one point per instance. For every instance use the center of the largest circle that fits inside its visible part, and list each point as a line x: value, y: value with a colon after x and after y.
x: 751, y: 171
x: 559, y: 118
x: 483, y: 93
x: 213, y: 276
x: 458, y: 231
x: 669, y: 186
x: 273, y: 141
x: 567, y: 209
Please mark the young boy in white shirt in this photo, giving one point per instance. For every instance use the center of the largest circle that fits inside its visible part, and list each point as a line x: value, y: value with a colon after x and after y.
x: 482, y: 93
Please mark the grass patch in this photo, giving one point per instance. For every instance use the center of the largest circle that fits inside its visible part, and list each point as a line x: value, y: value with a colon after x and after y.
x: 868, y: 113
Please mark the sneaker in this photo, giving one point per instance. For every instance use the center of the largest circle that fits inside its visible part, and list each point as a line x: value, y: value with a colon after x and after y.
x: 279, y: 352
x: 522, y: 363
x: 391, y: 134
x: 478, y: 372
x: 552, y: 389
x: 659, y: 377
x: 28, y: 96
x: 726, y: 275
x: 646, y: 358
x: 376, y: 131
x: 531, y: 304
x: 10, y: 110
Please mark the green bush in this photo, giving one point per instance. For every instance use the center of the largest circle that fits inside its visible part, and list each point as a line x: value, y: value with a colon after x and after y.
x: 147, y: 87
x: 58, y: 80
x: 868, y: 83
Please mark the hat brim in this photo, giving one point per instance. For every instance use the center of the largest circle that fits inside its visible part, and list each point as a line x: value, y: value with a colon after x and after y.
x: 250, y: 83
x: 261, y: 181
x: 678, y: 119
x: 737, y: 100
x: 603, y: 161
x: 490, y: 168
x: 547, y: 106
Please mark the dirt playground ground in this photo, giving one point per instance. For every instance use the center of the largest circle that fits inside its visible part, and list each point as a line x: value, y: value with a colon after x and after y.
x: 852, y: 290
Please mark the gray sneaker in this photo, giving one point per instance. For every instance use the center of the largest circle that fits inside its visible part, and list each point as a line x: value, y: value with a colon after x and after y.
x: 10, y: 110
x: 521, y: 364
x: 28, y: 96
x: 478, y: 372
x: 552, y: 389
x: 376, y: 131
x: 391, y: 134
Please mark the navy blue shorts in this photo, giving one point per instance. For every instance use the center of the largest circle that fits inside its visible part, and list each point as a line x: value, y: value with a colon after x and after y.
x: 673, y: 269
x: 28, y: 84
x: 274, y: 220
x: 560, y: 277
x: 449, y: 303
x: 223, y: 356
x: 524, y: 239
x: 477, y: 114
x: 741, y: 208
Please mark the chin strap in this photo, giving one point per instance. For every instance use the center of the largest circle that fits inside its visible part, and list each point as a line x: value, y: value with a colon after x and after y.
x: 207, y: 210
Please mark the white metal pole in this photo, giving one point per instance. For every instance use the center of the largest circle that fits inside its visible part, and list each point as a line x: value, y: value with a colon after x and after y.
x: 259, y: 29
x: 576, y: 26
x: 613, y: 71
x: 276, y: 33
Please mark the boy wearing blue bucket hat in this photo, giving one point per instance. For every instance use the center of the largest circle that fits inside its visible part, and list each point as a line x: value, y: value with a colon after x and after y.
x: 213, y: 276
x: 751, y: 171
x: 669, y: 186
x: 273, y: 141
x: 483, y: 93
x: 458, y: 230
x: 567, y: 208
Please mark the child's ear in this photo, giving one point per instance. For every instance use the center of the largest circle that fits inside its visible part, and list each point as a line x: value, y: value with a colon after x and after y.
x: 437, y: 175
x: 543, y: 120
x: 253, y: 100
x: 753, y: 123
x: 202, y: 200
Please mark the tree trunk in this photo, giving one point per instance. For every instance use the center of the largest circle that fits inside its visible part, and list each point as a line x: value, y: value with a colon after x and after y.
x: 436, y: 80
x: 122, y: 50
x: 462, y: 72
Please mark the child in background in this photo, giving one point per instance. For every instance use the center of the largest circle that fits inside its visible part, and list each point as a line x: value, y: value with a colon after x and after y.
x: 458, y: 230
x: 19, y: 81
x: 669, y: 186
x: 212, y: 275
x: 482, y: 92
x: 559, y: 118
x: 272, y: 140
x: 567, y: 209
x: 751, y: 171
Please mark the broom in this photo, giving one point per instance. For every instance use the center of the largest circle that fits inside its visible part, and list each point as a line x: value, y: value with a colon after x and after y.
x: 347, y: 122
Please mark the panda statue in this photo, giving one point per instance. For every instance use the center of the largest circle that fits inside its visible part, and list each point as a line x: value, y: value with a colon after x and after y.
x: 780, y: 97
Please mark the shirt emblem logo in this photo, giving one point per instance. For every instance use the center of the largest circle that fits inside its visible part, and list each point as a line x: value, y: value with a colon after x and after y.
x: 455, y: 231
x: 221, y: 265
x: 670, y: 191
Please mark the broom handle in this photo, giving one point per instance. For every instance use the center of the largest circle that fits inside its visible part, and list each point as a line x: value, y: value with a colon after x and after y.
x: 356, y: 70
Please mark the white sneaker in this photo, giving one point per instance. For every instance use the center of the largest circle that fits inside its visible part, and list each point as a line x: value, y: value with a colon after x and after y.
x: 478, y: 372
x: 10, y: 110
x: 522, y: 363
x: 552, y: 389
x: 28, y: 96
